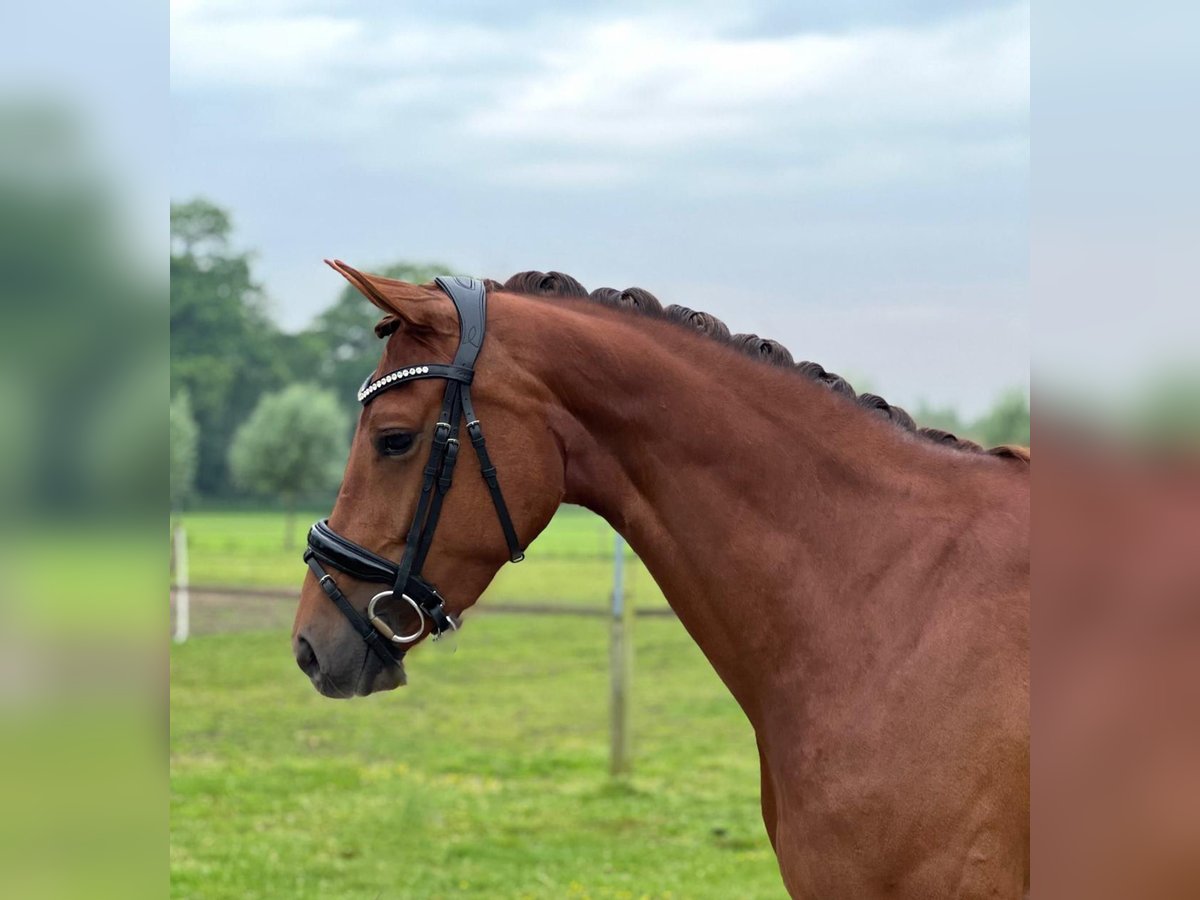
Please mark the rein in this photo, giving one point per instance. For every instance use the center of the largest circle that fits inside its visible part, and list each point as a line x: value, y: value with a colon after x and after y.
x: 326, y: 546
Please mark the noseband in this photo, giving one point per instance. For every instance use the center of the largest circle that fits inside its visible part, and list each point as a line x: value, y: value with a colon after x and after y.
x: 325, y: 546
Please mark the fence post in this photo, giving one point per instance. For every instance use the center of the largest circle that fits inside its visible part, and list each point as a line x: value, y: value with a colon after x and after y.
x: 620, y: 667
x: 182, y: 599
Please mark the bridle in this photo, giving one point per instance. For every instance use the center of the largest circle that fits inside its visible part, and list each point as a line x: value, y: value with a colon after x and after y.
x: 325, y: 546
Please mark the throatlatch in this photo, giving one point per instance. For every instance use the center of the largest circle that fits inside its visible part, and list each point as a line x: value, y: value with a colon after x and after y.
x: 330, y: 548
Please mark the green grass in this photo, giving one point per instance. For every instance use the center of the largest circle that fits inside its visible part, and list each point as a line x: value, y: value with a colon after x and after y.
x: 485, y: 777
x: 569, y: 563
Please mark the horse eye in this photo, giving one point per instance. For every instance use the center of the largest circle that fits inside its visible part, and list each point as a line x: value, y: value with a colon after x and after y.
x: 394, y: 443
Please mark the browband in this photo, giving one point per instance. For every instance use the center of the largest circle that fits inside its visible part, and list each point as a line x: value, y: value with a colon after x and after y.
x: 413, y: 373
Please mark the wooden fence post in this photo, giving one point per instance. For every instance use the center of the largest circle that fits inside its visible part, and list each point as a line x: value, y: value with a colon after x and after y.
x: 182, y: 598
x: 620, y: 667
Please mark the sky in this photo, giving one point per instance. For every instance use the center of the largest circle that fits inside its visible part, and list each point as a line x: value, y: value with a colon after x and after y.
x: 850, y: 179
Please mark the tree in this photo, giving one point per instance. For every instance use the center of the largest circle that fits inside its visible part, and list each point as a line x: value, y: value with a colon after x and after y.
x: 199, y: 229
x: 295, y: 440
x: 225, y: 350
x: 80, y: 321
x: 343, y: 336
x: 184, y: 436
x: 1007, y: 422
x: 943, y: 417
x: 1166, y: 407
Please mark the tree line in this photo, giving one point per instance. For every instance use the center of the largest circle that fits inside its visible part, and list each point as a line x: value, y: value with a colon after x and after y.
x: 257, y: 411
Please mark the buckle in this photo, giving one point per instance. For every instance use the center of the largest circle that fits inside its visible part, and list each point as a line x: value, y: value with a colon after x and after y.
x: 441, y: 621
x: 440, y: 436
x: 440, y: 630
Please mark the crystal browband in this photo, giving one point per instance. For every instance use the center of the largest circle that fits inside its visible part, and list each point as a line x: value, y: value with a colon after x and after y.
x: 391, y: 378
x: 451, y: 372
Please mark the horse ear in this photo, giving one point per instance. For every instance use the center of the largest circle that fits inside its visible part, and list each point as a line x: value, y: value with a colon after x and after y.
x: 417, y: 306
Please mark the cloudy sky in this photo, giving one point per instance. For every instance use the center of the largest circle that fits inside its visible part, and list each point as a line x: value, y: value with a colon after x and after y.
x: 849, y: 178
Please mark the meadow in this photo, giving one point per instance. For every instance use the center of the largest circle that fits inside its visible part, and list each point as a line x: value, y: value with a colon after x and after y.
x: 570, y: 563
x: 485, y: 777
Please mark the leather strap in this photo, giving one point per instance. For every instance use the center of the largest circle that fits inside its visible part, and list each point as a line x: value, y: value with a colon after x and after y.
x: 379, y: 645
x: 334, y: 550
x: 491, y: 478
x: 325, y: 545
x: 470, y: 301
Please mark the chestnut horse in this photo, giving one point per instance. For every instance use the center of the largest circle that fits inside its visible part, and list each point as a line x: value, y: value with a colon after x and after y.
x: 862, y: 592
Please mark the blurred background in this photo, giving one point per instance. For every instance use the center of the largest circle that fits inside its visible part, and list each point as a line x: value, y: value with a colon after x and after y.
x: 851, y: 182
x: 83, y: 453
x: 873, y: 156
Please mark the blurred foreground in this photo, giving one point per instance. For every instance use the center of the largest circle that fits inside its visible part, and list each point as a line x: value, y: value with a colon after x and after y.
x: 83, y: 466
x: 1116, y: 669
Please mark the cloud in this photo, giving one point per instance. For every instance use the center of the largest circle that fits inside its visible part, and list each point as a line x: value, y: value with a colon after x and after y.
x: 591, y: 99
x: 215, y: 46
x: 647, y: 82
x: 873, y: 155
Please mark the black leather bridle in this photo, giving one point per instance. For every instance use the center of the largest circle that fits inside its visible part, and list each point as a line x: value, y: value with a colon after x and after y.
x: 325, y: 546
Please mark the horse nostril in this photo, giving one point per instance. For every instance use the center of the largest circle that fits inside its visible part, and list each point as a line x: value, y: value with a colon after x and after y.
x: 306, y: 659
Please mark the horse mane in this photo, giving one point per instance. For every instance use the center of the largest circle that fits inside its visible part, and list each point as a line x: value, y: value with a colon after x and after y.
x: 767, y: 351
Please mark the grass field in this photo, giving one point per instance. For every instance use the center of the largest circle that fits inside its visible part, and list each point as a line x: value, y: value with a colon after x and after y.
x: 570, y: 562
x: 485, y: 777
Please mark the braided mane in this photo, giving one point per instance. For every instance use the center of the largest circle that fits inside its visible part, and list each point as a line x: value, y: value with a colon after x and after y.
x: 559, y: 284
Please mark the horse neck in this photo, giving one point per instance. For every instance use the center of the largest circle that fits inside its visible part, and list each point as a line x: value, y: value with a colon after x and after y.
x: 747, y: 491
